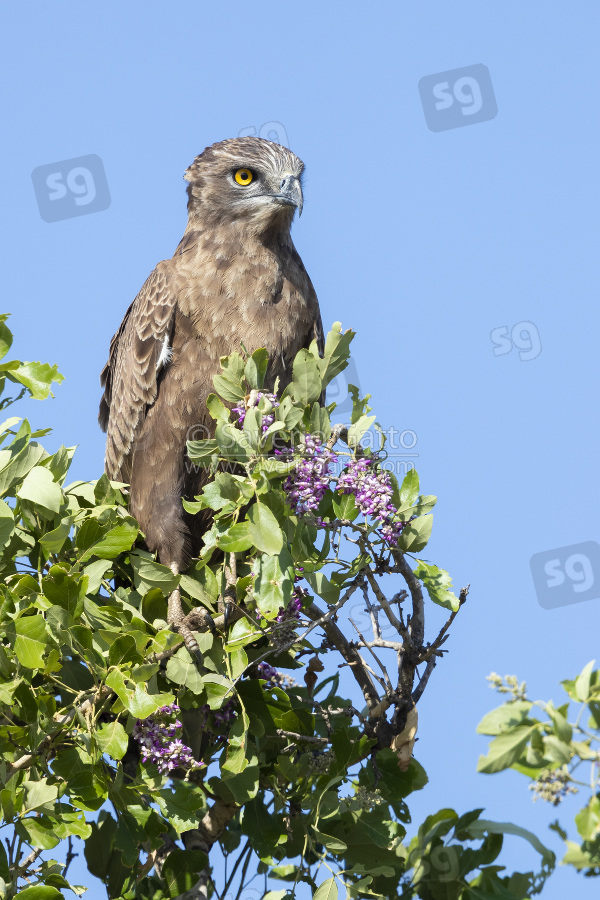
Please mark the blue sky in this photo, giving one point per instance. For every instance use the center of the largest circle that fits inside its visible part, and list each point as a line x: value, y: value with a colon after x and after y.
x: 425, y: 242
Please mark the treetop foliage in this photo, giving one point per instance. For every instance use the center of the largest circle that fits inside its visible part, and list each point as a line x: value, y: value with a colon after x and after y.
x: 114, y: 738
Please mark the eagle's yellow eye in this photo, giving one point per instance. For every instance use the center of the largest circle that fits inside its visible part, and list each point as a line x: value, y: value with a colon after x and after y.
x: 243, y: 176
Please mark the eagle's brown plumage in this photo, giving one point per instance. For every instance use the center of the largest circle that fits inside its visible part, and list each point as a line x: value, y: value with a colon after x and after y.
x: 235, y: 278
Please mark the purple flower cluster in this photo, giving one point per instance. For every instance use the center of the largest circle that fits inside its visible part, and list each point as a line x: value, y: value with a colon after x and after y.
x: 307, y: 484
x: 225, y: 717
x: 373, y: 492
x: 270, y: 674
x: 160, y: 741
x: 292, y: 610
x: 267, y: 419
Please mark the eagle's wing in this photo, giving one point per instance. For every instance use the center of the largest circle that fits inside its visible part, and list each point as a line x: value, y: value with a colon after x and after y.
x: 130, y: 377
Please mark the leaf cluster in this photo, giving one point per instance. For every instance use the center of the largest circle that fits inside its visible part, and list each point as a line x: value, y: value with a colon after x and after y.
x: 297, y: 779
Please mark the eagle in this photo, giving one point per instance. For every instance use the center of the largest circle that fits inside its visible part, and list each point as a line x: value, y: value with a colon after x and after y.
x: 235, y: 281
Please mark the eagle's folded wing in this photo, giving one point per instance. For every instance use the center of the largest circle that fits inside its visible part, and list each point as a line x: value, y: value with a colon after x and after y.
x: 130, y: 377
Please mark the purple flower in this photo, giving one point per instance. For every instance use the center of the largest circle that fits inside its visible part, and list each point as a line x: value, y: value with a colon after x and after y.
x: 160, y: 741
x: 307, y: 484
x: 373, y: 492
x: 267, y: 419
x: 224, y: 717
x: 292, y: 610
x: 270, y: 674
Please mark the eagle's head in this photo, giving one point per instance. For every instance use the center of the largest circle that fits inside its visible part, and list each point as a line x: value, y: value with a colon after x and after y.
x: 245, y: 179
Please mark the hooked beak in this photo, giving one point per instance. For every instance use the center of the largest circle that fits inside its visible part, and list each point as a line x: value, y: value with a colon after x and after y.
x: 290, y: 192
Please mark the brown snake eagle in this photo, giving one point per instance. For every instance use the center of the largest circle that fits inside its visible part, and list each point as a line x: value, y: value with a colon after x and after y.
x: 234, y: 278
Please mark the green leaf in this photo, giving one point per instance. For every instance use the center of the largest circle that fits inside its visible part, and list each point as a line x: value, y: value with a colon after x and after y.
x: 438, y: 583
x: 504, y: 717
x: 327, y: 890
x: 416, y: 535
x: 505, y: 749
x: 141, y: 705
x: 36, y: 377
x: 588, y: 820
x: 39, y: 832
x: 344, y: 506
x: 7, y: 523
x: 576, y: 857
x: 274, y: 582
x: 95, y: 572
x: 217, y: 409
x: 322, y: 586
x: 479, y: 827
x: 103, y: 541
x: 53, y: 541
x: 31, y: 641
x: 306, y: 384
x: 40, y: 892
x: 112, y: 739
x: 6, y: 340
x: 138, y: 702
x: 201, y: 452
x: 217, y: 688
x: 557, y: 750
x: 235, y: 539
x: 40, y: 488
x: 64, y: 590
x: 40, y: 795
x: 264, y: 529
x: 583, y: 681
x: 333, y: 844
x: 179, y: 804
x: 148, y: 574
x: 409, y: 490
x: 232, y: 443
x: 356, y: 431
x: 336, y: 353
x: 182, y: 669
x: 181, y: 870
x: 256, y: 369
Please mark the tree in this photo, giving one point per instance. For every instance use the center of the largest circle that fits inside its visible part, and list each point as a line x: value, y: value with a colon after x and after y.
x: 103, y: 705
x: 554, y: 752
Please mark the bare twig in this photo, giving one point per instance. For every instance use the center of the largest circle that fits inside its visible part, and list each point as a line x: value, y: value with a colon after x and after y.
x: 386, y: 645
x: 372, y: 610
x: 369, y: 646
x: 383, y: 601
x: 350, y: 654
x: 300, y: 737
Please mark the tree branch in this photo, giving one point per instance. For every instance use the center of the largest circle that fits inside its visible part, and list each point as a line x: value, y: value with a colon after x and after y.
x: 349, y: 653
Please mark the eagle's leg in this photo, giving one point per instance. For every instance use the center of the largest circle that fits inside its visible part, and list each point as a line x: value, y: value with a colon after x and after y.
x: 226, y: 603
x: 184, y: 625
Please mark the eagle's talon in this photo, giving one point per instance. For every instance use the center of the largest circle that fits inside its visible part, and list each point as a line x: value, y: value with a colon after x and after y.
x: 181, y: 624
x: 199, y: 619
